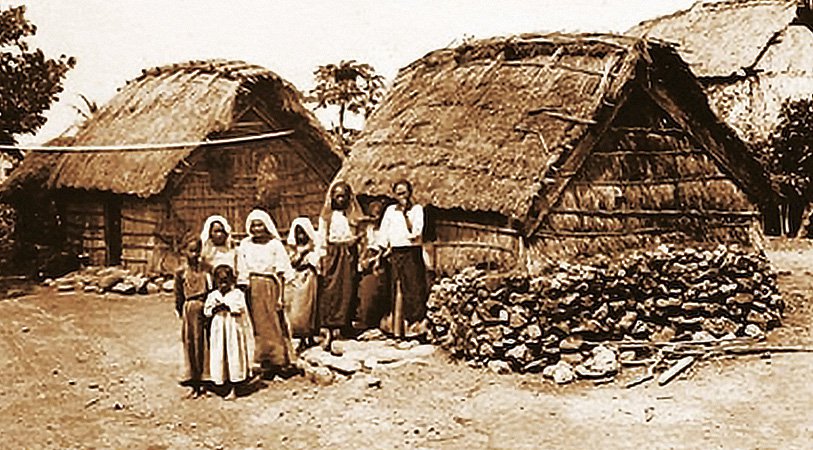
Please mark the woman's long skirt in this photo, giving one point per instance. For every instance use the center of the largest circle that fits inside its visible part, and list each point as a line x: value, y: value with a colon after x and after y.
x: 272, y: 337
x: 337, y: 287
x: 231, y: 346
x: 195, y: 339
x: 300, y: 300
x: 409, y: 273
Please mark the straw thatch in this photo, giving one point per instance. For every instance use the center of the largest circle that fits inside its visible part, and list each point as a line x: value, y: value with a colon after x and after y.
x: 178, y: 103
x: 751, y: 55
x: 502, y: 125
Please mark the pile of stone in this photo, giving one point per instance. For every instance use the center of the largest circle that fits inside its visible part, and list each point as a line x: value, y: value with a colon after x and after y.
x: 112, y: 279
x: 371, y: 353
x: 558, y: 320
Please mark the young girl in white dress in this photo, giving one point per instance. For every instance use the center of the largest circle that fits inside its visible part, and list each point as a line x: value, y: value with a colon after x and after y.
x: 231, y: 342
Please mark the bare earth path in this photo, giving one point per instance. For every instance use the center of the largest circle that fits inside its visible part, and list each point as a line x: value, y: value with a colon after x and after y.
x: 83, y: 371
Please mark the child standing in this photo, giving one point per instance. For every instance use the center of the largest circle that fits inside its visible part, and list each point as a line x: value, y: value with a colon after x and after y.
x: 232, y: 336
x: 300, y: 292
x: 191, y: 287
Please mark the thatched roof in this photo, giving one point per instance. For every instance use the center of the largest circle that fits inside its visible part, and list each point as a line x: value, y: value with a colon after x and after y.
x: 723, y: 38
x: 485, y: 126
x: 178, y: 103
x: 751, y: 55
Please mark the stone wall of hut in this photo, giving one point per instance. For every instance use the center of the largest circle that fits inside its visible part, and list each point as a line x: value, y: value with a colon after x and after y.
x: 647, y: 182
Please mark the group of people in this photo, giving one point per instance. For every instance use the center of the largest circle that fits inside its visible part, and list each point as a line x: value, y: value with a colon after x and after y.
x: 242, y: 305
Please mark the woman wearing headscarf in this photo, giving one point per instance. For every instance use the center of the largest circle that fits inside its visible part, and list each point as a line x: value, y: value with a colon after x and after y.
x: 262, y: 267
x: 338, y: 234
x: 300, y: 292
x: 216, y: 244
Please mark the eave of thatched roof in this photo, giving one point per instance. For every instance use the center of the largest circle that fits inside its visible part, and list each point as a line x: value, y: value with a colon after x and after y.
x: 496, y: 125
x: 722, y: 39
x: 179, y: 103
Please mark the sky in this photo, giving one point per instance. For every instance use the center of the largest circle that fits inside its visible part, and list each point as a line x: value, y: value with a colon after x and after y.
x: 113, y: 40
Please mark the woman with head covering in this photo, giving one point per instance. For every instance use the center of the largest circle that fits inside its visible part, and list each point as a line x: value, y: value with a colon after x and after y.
x: 217, y: 247
x: 337, y: 288
x: 262, y: 267
x: 300, y: 292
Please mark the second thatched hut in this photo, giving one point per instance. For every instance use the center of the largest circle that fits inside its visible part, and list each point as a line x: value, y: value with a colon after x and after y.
x: 131, y: 205
x: 535, y: 147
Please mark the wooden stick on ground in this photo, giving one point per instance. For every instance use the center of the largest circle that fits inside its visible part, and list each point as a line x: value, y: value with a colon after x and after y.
x: 675, y: 370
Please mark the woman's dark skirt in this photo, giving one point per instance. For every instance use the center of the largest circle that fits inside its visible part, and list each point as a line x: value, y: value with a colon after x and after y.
x: 337, y: 286
x: 409, y: 270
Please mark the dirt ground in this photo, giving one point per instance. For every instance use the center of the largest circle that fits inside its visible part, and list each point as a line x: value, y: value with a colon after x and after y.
x: 86, y: 371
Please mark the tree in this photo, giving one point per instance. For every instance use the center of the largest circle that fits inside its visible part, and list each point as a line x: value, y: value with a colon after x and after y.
x: 789, y: 159
x: 29, y: 82
x: 353, y: 87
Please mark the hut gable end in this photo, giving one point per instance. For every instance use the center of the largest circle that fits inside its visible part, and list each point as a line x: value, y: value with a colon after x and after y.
x: 646, y: 177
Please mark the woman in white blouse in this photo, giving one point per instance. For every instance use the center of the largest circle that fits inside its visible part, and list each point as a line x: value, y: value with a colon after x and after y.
x: 401, y: 232
x: 262, y: 267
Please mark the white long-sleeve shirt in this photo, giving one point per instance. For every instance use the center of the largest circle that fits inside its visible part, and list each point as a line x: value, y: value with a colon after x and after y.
x: 394, y: 231
x: 340, y: 230
x: 270, y: 257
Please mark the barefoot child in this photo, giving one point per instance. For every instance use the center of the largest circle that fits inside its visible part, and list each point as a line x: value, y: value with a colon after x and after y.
x: 232, y: 336
x: 191, y: 287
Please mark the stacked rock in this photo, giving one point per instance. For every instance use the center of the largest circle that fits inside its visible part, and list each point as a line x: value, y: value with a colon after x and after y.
x: 530, y: 322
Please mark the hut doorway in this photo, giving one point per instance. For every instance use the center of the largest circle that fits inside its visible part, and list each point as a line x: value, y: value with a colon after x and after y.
x: 112, y: 230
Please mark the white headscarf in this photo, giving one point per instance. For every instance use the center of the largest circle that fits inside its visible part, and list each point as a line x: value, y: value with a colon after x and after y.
x: 207, y: 227
x: 263, y: 217
x: 307, y: 227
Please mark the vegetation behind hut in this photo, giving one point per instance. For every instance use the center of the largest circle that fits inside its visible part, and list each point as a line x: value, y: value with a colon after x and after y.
x: 29, y: 81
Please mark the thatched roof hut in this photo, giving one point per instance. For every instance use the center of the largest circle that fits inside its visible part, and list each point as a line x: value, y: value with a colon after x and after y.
x: 750, y: 55
x: 557, y: 144
x: 157, y: 190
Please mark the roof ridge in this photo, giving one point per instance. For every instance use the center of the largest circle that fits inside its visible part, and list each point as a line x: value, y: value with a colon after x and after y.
x: 232, y: 69
x: 705, y: 5
x: 723, y: 4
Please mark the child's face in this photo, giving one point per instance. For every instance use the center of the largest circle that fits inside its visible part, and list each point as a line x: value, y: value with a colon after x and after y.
x: 217, y: 233
x: 258, y: 229
x: 302, y: 238
x: 224, y: 283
